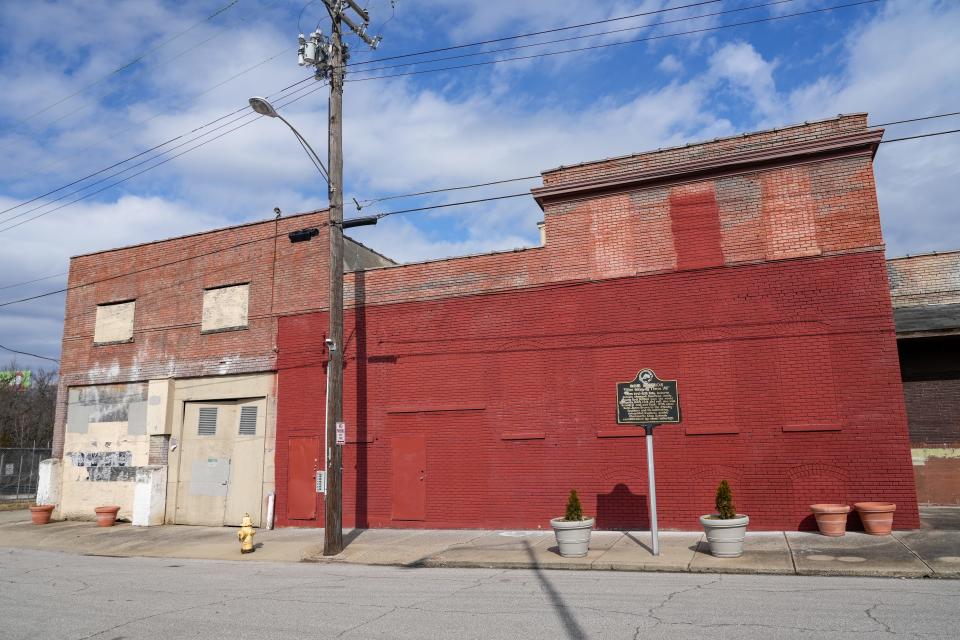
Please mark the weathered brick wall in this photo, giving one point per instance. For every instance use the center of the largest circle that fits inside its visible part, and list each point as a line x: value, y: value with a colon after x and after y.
x: 926, y: 297
x: 169, y: 303
x: 788, y: 380
x: 933, y: 407
x: 929, y: 279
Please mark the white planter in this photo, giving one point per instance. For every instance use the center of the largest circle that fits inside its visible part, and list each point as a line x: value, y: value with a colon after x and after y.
x: 725, y: 536
x: 573, y: 536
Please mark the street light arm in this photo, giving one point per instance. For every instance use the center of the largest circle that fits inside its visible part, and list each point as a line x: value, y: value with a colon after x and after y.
x: 308, y: 149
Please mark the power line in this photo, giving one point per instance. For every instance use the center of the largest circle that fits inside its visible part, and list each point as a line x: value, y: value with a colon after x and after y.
x: 154, y: 148
x: 143, y: 270
x: 616, y: 44
x: 650, y: 25
x: 534, y: 33
x: 370, y: 201
x: 61, y: 158
x: 449, y: 204
x: 937, y: 115
x: 506, y: 60
x: 142, y: 153
x: 27, y: 353
x: 154, y: 166
x: 274, y: 236
x: 923, y: 135
x: 132, y: 62
x: 20, y: 284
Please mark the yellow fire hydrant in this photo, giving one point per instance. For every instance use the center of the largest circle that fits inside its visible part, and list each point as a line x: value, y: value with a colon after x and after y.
x: 245, y: 534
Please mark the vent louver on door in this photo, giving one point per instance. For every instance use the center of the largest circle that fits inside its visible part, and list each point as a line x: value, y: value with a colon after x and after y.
x: 207, y: 424
x: 248, y: 421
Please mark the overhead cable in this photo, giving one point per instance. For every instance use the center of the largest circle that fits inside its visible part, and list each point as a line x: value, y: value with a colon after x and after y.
x: 615, y: 44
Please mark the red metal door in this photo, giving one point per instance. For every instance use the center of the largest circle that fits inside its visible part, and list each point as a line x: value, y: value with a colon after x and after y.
x: 303, y: 462
x: 409, y: 478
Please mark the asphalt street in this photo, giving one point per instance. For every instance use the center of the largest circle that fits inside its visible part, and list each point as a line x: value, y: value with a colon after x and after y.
x: 72, y: 597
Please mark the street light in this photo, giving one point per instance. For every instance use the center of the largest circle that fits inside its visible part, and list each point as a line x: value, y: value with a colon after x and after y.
x: 264, y: 108
x: 332, y: 454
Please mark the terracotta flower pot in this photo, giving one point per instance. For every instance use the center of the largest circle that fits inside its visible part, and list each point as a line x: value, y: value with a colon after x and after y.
x: 877, y: 517
x: 40, y: 514
x: 106, y: 516
x: 831, y: 518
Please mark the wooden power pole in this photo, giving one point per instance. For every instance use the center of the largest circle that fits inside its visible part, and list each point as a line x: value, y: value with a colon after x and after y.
x: 335, y: 70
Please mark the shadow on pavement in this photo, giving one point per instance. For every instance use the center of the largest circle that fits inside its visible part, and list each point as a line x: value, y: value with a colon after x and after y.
x: 570, y: 624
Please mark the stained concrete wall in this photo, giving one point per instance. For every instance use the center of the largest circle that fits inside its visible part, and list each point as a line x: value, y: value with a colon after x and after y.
x: 99, y: 468
x: 107, y: 449
x: 149, y: 496
x: 221, y: 388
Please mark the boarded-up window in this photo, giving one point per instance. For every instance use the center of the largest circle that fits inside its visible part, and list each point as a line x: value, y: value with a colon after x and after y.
x: 207, y: 424
x: 248, y: 421
x: 225, y: 308
x: 114, y: 322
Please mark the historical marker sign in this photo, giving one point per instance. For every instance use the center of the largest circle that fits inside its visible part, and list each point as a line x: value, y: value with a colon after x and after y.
x: 648, y: 400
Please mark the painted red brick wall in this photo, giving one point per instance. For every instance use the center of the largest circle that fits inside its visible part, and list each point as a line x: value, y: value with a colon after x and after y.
x: 788, y: 379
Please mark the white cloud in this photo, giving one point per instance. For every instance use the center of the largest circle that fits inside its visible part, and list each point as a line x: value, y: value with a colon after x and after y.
x: 744, y: 70
x: 401, y: 136
x: 670, y: 64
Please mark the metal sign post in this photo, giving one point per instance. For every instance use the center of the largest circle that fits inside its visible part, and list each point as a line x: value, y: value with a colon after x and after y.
x: 648, y: 401
x: 652, y: 484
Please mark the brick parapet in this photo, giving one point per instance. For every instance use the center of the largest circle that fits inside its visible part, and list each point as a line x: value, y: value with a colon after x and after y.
x: 711, y: 150
x: 929, y: 279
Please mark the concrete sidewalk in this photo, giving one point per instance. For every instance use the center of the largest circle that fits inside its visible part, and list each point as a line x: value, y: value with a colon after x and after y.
x: 921, y: 553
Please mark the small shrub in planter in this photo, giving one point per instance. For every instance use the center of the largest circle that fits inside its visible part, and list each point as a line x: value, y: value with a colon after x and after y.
x: 726, y: 528
x: 573, y: 530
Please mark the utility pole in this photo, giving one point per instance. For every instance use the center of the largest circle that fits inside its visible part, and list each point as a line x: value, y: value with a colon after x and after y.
x: 330, y: 56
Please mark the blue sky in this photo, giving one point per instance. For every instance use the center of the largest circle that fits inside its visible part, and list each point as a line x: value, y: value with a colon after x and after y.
x: 66, y: 111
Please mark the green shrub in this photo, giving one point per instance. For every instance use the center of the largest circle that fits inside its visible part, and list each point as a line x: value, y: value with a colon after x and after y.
x: 574, y: 510
x: 725, y: 508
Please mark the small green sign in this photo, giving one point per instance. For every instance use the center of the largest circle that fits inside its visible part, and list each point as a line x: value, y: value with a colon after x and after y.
x: 18, y: 379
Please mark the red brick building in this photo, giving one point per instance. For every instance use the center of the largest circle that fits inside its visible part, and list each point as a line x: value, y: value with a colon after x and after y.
x: 479, y: 390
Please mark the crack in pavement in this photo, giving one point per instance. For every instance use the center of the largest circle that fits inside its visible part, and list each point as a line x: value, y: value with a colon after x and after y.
x: 363, y: 624
x: 869, y: 612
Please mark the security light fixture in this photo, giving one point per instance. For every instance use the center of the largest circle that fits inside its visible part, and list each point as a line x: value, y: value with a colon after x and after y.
x: 360, y: 222
x: 303, y: 235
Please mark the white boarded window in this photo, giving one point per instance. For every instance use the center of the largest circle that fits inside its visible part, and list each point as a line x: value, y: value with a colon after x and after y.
x: 225, y: 308
x: 207, y: 424
x: 248, y: 421
x: 114, y: 322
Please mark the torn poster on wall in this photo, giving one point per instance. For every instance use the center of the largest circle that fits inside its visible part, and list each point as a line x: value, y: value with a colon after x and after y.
x: 101, y: 458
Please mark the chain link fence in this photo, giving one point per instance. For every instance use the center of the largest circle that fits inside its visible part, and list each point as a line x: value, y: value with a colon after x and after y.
x: 19, y: 470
